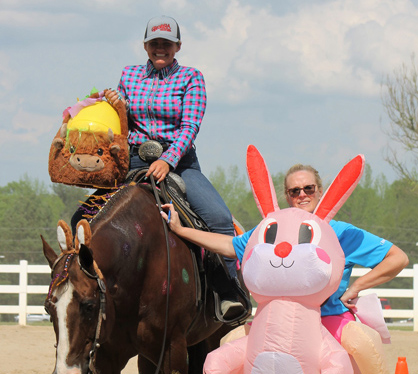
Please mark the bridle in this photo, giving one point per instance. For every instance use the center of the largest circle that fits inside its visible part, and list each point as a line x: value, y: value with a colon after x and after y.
x: 59, y: 278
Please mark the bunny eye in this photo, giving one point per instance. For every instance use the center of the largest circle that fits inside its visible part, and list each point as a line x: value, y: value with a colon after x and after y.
x: 268, y: 231
x: 309, y: 232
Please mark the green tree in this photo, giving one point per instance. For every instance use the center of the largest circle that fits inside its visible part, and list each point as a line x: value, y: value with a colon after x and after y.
x: 27, y: 210
x: 71, y: 197
x: 364, y: 207
x: 400, y: 102
x: 235, y: 191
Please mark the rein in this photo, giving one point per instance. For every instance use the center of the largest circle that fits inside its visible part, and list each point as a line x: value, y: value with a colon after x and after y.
x: 102, y: 311
x: 60, y: 278
x: 157, y: 198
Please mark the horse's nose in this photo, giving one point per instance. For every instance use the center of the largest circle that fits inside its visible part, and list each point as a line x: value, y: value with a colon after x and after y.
x: 283, y: 249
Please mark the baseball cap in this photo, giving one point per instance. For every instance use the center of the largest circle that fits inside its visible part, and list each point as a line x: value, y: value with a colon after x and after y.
x: 162, y: 27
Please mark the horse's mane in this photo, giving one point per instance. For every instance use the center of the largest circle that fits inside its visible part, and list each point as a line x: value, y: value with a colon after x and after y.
x: 108, y: 202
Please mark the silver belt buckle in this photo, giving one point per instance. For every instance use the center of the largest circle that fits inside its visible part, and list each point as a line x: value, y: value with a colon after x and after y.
x: 150, y: 151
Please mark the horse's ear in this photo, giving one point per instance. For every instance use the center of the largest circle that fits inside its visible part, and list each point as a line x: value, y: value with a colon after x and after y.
x: 49, y: 253
x: 83, y: 234
x: 64, y: 236
x: 340, y: 189
x: 261, y: 182
x: 86, y: 258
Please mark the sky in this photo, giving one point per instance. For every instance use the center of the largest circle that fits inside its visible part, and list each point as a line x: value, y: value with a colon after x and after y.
x: 299, y: 79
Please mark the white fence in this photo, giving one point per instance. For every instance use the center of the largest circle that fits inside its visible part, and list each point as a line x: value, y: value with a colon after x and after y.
x: 23, y: 289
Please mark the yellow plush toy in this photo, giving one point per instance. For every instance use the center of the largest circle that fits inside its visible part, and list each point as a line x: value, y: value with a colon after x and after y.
x: 91, y: 147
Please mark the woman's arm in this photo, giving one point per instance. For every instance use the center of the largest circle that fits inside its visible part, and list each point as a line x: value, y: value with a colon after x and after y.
x: 394, y: 261
x: 214, y: 242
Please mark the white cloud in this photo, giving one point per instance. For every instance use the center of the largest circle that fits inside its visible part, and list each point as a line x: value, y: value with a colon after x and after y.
x: 341, y: 46
x: 300, y: 79
x: 27, y: 129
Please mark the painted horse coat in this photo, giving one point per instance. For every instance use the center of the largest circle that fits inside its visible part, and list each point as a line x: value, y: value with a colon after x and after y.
x: 108, y: 295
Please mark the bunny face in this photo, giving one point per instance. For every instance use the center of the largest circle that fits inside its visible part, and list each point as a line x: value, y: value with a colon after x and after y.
x: 293, y: 254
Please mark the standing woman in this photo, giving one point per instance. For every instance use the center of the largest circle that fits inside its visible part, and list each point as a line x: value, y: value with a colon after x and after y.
x: 166, y: 103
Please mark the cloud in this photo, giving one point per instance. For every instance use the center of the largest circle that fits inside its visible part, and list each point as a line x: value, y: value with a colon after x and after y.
x: 26, y: 129
x: 299, y: 79
x: 326, y: 47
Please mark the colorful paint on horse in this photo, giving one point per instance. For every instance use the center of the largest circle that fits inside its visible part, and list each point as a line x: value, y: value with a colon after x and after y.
x: 185, y: 276
x: 172, y: 241
x: 138, y: 229
x: 164, y: 290
x: 126, y: 249
x: 140, y: 263
x: 119, y: 228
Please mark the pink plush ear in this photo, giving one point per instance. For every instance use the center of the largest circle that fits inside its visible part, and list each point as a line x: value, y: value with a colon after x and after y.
x: 261, y: 182
x: 340, y: 189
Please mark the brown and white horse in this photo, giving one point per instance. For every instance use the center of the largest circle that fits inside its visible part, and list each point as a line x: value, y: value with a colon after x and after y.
x: 113, y: 295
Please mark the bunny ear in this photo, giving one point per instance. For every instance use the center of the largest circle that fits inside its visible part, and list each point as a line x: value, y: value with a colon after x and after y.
x: 340, y: 189
x: 261, y: 182
x: 65, y: 239
x: 83, y: 234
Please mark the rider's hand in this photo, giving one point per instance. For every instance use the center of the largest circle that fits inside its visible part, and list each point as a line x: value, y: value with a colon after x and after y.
x: 174, y: 223
x: 159, y: 169
x: 346, y: 298
x: 113, y: 97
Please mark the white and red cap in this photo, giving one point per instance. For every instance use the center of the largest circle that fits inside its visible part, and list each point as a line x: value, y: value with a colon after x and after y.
x: 162, y: 27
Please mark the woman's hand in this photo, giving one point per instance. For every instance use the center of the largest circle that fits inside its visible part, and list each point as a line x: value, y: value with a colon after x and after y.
x: 113, y: 97
x: 174, y: 222
x: 159, y: 169
x: 346, y: 298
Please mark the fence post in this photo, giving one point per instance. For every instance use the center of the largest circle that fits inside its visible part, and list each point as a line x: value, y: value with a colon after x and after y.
x: 415, y: 298
x: 23, y: 292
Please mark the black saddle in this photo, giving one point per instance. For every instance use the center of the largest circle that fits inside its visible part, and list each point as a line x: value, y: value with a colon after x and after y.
x: 212, y: 270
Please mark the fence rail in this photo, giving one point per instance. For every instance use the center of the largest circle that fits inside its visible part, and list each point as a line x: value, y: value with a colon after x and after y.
x: 23, y: 289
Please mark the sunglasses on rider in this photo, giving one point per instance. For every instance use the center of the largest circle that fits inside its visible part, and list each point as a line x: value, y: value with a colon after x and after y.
x: 295, y: 192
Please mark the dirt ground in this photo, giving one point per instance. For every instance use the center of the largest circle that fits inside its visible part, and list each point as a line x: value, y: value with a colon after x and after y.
x: 30, y: 350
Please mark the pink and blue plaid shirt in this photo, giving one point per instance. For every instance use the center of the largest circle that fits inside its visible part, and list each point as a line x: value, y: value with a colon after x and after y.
x: 166, y: 105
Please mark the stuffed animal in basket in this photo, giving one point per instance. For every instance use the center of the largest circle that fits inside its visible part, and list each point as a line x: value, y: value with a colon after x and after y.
x: 91, y: 147
x: 292, y: 263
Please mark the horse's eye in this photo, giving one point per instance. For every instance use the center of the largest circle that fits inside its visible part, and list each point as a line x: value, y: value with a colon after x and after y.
x: 87, y: 308
x: 268, y: 231
x: 100, y: 152
x: 309, y: 232
x: 72, y: 149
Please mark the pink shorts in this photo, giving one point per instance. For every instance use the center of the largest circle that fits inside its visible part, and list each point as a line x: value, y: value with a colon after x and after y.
x: 335, y: 324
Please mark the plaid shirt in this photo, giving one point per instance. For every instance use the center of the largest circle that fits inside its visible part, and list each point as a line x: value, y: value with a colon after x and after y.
x: 166, y: 105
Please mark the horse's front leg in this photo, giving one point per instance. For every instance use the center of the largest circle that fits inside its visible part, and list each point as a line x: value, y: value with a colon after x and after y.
x: 145, y: 366
x: 110, y: 361
x: 175, y: 358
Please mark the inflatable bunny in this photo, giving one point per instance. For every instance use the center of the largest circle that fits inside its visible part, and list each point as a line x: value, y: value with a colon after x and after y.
x: 292, y: 263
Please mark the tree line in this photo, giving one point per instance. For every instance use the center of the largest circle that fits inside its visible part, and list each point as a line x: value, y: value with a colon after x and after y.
x: 29, y: 208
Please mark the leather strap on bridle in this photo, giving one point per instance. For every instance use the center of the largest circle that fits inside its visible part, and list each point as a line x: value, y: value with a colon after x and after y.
x: 102, y: 311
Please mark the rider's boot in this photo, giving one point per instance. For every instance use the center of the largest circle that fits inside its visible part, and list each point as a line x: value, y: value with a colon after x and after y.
x: 231, y: 306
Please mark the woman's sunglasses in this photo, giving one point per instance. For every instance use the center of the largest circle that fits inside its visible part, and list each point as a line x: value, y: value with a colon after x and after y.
x: 295, y: 192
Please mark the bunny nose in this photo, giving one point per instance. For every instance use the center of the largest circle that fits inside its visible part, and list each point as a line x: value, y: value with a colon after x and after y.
x: 283, y: 249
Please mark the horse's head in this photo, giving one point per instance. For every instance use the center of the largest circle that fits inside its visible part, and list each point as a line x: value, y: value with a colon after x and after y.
x: 77, y: 301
